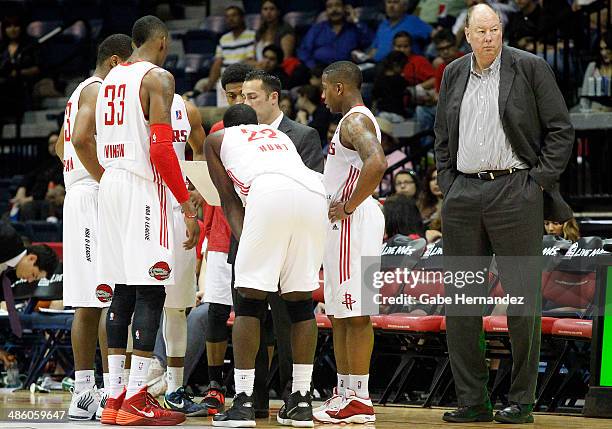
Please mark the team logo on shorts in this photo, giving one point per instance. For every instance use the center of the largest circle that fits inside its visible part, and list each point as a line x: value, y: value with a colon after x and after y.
x: 104, y: 293
x: 160, y: 271
x: 348, y: 301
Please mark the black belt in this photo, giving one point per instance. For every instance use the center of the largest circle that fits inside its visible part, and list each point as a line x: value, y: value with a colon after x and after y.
x: 492, y: 174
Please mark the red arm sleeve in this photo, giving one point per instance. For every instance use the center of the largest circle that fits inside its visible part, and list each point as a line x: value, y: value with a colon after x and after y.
x: 165, y: 161
x: 208, y: 214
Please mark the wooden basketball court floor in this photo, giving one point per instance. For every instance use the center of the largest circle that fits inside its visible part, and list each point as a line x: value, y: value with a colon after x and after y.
x: 388, y: 417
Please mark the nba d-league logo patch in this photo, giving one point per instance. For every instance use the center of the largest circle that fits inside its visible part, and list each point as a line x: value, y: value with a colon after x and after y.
x: 179, y: 115
x: 160, y: 270
x: 104, y: 293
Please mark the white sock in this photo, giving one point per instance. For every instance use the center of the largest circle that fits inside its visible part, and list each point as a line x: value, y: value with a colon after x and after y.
x: 174, y: 378
x: 116, y: 380
x: 302, y: 374
x: 138, y: 375
x: 84, y: 380
x: 244, y: 380
x: 343, y: 383
x: 359, y: 383
x: 106, y: 378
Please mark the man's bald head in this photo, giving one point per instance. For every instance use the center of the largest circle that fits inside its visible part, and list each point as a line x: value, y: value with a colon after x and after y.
x: 344, y: 72
x: 481, y: 10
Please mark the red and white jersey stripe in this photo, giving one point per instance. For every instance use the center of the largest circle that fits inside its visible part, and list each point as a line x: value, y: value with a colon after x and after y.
x: 343, y: 165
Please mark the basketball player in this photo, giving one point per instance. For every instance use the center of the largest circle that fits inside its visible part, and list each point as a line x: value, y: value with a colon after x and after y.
x: 136, y: 240
x: 355, y: 165
x: 186, y: 128
x: 81, y: 290
x: 282, y: 237
x: 218, y: 278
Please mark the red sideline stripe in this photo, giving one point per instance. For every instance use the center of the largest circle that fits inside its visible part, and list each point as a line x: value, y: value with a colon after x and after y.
x: 244, y: 190
x: 161, y: 194
x: 345, y: 228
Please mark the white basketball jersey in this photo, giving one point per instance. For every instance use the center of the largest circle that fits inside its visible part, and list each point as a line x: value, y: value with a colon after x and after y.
x: 122, y: 128
x: 74, y: 171
x: 181, y: 129
x: 343, y: 165
x: 248, y: 151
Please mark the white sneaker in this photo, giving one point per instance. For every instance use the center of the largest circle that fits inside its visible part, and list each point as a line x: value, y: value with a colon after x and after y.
x: 156, y: 379
x: 103, y: 394
x: 353, y: 409
x: 333, y: 402
x: 84, y: 405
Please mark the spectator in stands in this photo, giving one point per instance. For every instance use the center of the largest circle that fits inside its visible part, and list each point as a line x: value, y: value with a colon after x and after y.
x: 540, y: 22
x: 30, y: 263
x: 430, y: 199
x: 235, y: 46
x: 417, y: 70
x: 568, y: 229
x: 311, y: 111
x: 402, y: 217
x: 316, y: 76
x: 389, y: 89
x: 285, y: 103
x: 19, y: 68
x: 444, y: 41
x: 272, y: 58
x: 406, y: 182
x: 597, y: 72
x: 397, y: 20
x: 7, y: 359
x: 333, y: 39
x: 274, y: 31
x: 40, y: 195
x: 331, y: 130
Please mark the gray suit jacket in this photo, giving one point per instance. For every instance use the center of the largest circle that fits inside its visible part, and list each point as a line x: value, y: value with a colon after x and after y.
x: 306, y: 141
x: 534, y: 117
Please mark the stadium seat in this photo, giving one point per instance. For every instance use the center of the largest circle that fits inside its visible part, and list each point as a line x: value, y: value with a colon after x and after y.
x: 206, y: 99
x: 200, y: 42
x: 573, y: 328
x: 23, y: 229
x: 37, y: 29
x: 45, y: 231
x: 214, y: 24
x: 300, y: 21
x: 252, y: 20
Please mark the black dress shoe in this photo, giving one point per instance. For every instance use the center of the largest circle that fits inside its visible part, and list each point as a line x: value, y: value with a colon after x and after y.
x: 475, y: 413
x: 515, y: 413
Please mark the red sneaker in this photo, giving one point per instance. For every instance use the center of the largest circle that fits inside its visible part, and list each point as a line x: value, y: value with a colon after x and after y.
x: 352, y: 410
x: 109, y: 414
x: 143, y: 410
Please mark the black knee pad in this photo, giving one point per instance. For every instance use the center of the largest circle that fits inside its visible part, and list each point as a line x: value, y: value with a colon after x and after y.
x: 300, y: 311
x: 250, y: 307
x: 119, y: 316
x: 216, y: 330
x: 147, y: 313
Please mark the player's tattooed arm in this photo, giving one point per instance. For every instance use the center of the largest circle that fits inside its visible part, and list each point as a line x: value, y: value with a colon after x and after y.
x: 84, y: 133
x: 230, y: 201
x: 159, y: 84
x: 197, y: 134
x: 358, y: 133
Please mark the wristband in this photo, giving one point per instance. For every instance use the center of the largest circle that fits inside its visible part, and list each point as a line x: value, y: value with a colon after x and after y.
x: 190, y: 216
x: 344, y: 209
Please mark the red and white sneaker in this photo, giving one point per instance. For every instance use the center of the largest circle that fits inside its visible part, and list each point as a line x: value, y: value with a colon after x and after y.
x: 143, y: 410
x: 352, y: 410
x: 111, y: 408
x: 333, y: 402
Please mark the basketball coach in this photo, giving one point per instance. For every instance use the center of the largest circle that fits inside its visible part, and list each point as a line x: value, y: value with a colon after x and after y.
x: 503, y: 138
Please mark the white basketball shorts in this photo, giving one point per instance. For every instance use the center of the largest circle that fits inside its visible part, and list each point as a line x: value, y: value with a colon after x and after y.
x: 136, y: 234
x: 182, y: 293
x: 359, y: 235
x: 80, y: 240
x: 218, y: 279
x: 283, y: 237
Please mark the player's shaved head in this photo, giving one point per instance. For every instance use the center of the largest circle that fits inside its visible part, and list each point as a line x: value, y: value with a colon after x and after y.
x: 239, y: 114
x: 344, y: 72
x: 148, y: 28
x: 116, y: 44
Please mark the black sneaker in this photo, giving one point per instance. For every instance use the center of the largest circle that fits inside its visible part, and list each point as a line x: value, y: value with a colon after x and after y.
x: 214, y: 398
x: 296, y: 411
x: 240, y: 415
